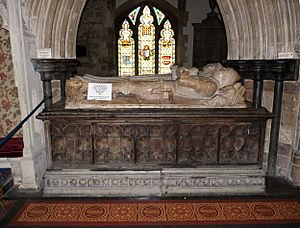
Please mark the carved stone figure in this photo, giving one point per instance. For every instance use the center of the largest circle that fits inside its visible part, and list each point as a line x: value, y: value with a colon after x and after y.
x: 213, y: 87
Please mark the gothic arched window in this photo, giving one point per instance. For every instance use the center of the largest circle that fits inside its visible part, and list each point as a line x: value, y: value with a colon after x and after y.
x: 146, y: 42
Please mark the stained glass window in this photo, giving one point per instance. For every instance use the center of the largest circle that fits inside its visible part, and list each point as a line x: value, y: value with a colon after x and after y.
x: 160, y: 16
x: 126, y: 56
x: 146, y: 37
x: 133, y: 15
x: 166, y: 49
x: 146, y: 43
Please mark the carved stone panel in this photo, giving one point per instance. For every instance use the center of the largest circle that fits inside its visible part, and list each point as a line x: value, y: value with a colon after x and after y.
x: 157, y: 144
x: 71, y: 144
x: 136, y: 143
x: 113, y: 143
x: 198, y: 144
x: 239, y: 143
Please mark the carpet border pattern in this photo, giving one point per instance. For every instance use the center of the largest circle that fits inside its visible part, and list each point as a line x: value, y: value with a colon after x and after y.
x: 151, y: 212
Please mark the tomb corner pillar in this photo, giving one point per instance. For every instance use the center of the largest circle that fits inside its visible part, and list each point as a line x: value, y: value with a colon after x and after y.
x: 54, y: 69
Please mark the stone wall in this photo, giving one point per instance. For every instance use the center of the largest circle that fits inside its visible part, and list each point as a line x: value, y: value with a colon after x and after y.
x: 295, y: 165
x: 288, y: 141
x: 96, y: 33
x: 289, y: 133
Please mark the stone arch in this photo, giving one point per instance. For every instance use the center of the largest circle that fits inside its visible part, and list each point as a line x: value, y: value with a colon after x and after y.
x: 55, y: 24
x: 260, y: 29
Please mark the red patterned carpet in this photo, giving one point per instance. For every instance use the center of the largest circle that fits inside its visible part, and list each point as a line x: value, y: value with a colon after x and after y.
x: 174, y: 212
x: 5, y: 205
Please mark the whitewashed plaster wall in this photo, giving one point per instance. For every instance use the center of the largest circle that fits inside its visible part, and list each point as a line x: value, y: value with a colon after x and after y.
x: 256, y: 29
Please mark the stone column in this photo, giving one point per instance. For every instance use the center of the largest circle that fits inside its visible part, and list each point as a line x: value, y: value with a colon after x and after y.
x: 28, y: 170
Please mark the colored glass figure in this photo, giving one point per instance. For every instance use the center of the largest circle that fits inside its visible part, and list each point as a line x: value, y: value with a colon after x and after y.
x: 159, y: 15
x: 126, y: 55
x: 133, y: 15
x: 166, y: 49
x: 146, y: 43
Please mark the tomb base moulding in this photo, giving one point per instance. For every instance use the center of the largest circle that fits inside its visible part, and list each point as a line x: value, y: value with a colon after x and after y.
x: 164, y: 182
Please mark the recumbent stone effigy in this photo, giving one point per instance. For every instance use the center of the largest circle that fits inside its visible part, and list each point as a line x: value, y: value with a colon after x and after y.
x: 214, y: 87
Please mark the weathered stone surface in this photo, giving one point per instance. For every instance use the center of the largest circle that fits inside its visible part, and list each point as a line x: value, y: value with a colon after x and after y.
x: 214, y: 87
x: 283, y: 162
x: 290, y: 112
x: 285, y: 149
x: 56, y: 93
x: 282, y: 172
x: 125, y: 146
x: 96, y: 33
x: 167, y: 182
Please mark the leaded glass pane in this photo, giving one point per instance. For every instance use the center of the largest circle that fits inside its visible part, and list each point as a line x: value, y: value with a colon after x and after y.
x: 146, y: 45
x: 126, y: 55
x: 166, y: 49
x: 133, y: 15
x: 159, y: 15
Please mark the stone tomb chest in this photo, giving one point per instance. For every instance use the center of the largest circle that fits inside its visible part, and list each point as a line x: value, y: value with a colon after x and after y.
x: 165, y: 144
x: 154, y: 151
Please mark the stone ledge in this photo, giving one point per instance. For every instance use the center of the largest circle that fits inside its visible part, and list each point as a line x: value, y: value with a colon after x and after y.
x: 165, y: 182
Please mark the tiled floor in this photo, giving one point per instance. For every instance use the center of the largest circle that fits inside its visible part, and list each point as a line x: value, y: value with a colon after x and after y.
x: 276, y: 189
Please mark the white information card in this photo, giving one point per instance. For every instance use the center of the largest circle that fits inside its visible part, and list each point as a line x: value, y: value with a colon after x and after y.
x: 44, y: 53
x: 100, y: 91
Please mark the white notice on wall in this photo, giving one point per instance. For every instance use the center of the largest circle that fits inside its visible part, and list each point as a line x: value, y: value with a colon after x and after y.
x: 44, y: 53
x: 100, y: 91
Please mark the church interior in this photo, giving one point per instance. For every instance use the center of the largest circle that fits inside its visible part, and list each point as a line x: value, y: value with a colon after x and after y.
x: 145, y: 100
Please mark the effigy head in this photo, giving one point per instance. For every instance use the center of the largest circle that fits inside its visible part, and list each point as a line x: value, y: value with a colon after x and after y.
x: 184, y: 71
x: 212, y: 67
x: 226, y: 76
